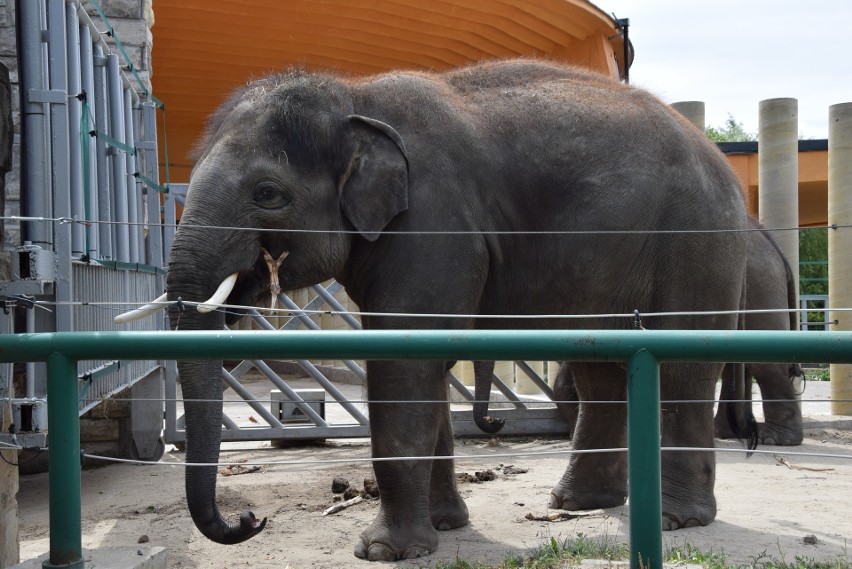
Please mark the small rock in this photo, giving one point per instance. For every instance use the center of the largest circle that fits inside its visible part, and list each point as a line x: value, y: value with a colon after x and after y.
x: 140, y: 552
x: 810, y: 539
x: 339, y: 485
x: 350, y: 493
x: 143, y: 539
x: 371, y: 487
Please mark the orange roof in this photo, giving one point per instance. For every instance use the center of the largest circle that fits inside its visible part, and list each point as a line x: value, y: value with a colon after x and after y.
x: 203, y: 49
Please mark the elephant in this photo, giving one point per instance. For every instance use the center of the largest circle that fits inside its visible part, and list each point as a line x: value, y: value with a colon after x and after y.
x: 511, y: 187
x: 770, y: 284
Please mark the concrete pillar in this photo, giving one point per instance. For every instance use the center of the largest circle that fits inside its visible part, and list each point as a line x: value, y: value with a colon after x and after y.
x: 840, y: 242
x: 778, y: 174
x: 693, y: 111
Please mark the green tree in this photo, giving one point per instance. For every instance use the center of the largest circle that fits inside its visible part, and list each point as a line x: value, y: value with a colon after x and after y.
x: 813, y: 270
x: 731, y: 131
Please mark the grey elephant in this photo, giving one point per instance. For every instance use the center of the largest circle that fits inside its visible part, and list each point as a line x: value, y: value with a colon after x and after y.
x: 769, y: 285
x: 512, y: 187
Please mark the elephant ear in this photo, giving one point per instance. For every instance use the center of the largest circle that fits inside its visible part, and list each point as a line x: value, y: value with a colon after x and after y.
x: 374, y: 187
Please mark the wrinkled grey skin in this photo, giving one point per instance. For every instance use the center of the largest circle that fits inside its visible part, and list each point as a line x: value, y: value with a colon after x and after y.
x: 471, y: 158
x: 769, y: 284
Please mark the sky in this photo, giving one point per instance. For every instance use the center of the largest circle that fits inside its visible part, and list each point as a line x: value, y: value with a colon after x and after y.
x: 732, y: 54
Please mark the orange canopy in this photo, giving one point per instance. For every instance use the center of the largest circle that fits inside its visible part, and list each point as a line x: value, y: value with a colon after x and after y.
x: 203, y: 49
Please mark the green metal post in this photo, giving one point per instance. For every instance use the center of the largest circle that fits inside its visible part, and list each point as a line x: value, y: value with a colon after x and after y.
x: 643, y: 461
x: 66, y: 541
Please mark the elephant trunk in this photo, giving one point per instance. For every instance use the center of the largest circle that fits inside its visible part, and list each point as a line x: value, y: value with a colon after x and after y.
x: 189, y: 278
x: 202, y: 392
x: 482, y: 372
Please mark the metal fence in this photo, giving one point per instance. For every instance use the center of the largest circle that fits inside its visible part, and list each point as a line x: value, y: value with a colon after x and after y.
x: 95, y: 218
x: 643, y: 350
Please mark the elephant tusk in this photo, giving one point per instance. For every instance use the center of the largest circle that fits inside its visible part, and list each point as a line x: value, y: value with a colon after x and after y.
x: 141, y: 312
x: 219, y: 296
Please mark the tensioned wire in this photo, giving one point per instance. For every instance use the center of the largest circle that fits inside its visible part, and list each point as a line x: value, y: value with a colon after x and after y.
x: 282, y: 312
x: 463, y: 457
x: 434, y: 232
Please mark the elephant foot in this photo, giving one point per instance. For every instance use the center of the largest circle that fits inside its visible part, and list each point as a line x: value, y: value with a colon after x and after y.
x: 673, y: 522
x: 724, y: 431
x: 381, y: 542
x: 691, y: 512
x: 565, y: 499
x: 777, y: 435
x: 449, y: 514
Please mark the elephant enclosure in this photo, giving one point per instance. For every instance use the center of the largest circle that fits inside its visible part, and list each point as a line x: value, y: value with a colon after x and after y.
x: 764, y: 506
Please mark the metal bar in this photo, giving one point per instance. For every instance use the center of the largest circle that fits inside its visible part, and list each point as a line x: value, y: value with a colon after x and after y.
x: 535, y: 378
x: 309, y: 324
x: 508, y: 393
x: 155, y: 249
x: 72, y: 25
x: 290, y: 393
x: 328, y: 297
x: 232, y: 382
x: 66, y: 542
x: 134, y: 188
x: 60, y: 163
x: 104, y: 192
x: 324, y: 383
x: 459, y: 386
x: 34, y: 124
x: 115, y: 99
x: 576, y: 345
x: 87, y: 82
x: 643, y: 461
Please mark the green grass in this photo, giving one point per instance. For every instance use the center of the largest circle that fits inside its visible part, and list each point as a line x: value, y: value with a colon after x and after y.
x: 556, y: 554
x: 818, y: 374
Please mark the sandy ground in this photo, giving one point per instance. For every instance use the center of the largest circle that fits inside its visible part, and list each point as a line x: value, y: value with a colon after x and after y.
x: 764, y: 506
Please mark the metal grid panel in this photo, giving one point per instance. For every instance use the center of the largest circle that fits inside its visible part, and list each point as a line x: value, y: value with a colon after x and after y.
x: 99, y: 285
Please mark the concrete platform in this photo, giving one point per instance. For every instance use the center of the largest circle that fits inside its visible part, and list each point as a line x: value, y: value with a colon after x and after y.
x: 126, y: 557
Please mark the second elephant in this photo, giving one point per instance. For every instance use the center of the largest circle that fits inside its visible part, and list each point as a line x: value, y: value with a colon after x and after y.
x: 770, y: 285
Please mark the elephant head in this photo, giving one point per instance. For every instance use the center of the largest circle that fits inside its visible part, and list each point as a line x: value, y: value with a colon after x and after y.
x: 286, y: 167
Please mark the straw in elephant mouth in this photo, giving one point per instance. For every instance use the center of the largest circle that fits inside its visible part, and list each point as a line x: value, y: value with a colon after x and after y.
x: 274, y: 266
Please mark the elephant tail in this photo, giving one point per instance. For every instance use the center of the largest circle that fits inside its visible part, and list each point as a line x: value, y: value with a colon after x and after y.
x: 740, y: 414
x: 737, y: 388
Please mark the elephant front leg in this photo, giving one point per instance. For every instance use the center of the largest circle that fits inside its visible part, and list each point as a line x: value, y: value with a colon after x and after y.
x: 403, y: 527
x: 688, y: 477
x: 447, y: 509
x: 596, y: 480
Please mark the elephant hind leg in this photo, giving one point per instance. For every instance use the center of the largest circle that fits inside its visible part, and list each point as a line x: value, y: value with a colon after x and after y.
x: 688, y: 477
x: 596, y: 480
x: 782, y: 413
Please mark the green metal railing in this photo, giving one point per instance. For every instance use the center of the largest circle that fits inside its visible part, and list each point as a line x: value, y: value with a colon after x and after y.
x: 643, y: 351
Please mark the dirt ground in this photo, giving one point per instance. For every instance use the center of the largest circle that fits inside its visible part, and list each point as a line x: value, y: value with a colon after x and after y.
x: 764, y: 505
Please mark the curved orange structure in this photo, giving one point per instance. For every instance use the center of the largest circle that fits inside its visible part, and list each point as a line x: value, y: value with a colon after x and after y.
x: 203, y: 49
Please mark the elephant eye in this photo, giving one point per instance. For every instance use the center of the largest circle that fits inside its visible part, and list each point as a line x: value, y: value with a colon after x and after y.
x: 271, y: 196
